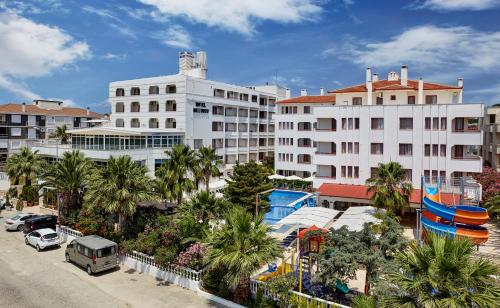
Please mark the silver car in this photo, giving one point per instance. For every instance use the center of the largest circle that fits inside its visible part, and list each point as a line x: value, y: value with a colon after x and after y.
x: 92, y: 252
x: 42, y: 238
x: 17, y: 222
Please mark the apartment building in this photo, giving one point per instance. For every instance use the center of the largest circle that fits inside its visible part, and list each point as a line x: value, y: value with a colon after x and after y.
x: 23, y: 124
x: 424, y: 126
x: 151, y: 114
x: 492, y: 136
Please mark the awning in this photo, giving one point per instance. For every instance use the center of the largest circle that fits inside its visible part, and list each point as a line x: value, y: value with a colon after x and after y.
x: 276, y: 177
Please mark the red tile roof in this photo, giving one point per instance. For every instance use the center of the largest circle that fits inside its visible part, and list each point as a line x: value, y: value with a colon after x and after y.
x: 35, y: 110
x: 383, y: 85
x: 360, y: 192
x: 309, y: 99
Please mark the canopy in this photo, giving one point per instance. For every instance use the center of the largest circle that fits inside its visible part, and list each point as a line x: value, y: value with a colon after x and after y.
x: 306, y: 217
x: 294, y: 178
x: 302, y: 233
x: 309, y: 179
x: 276, y: 177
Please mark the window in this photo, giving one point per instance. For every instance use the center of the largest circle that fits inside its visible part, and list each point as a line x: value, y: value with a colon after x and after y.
x: 154, y: 106
x: 134, y: 123
x: 106, y: 252
x: 217, y: 126
x: 342, y: 171
x: 154, y: 90
x: 198, y: 143
x: 356, y: 172
x: 431, y: 99
x: 356, y: 100
x: 356, y: 147
x: 356, y: 123
x: 349, y: 171
x: 408, y: 174
x: 380, y: 101
x: 171, y: 123
x: 172, y: 106
x: 349, y: 147
x: 120, y: 92
x: 344, y: 147
x: 119, y: 107
x: 411, y: 100
x: 349, y: 123
x: 135, y: 91
x: 153, y: 123
x: 135, y: 107
x: 443, y: 150
x: 435, y: 123
x: 393, y: 97
x: 405, y: 149
x: 427, y: 150
x: 172, y: 88
x: 344, y: 123
x: 307, y: 109
x: 406, y: 123
x: 492, y: 118
x: 377, y: 148
x: 443, y: 123
x: 435, y: 148
x: 119, y: 123
x: 428, y: 123
x: 377, y: 123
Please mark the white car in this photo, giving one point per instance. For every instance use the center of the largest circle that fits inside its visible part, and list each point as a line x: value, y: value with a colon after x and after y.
x: 17, y: 222
x: 42, y: 238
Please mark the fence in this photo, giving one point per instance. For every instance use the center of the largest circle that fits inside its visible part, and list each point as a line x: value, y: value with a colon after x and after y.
x: 67, y: 234
x: 311, y: 301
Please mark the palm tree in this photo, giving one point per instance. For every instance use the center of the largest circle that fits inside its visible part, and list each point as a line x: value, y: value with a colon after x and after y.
x: 389, y: 187
x: 25, y: 164
x: 209, y: 164
x: 61, y: 134
x: 118, y: 188
x: 176, y: 175
x: 204, y: 207
x: 443, y: 273
x: 67, y: 176
x: 241, y: 247
x: 493, y: 206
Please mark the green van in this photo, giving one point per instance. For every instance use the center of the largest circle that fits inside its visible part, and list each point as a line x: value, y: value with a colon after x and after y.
x: 92, y: 252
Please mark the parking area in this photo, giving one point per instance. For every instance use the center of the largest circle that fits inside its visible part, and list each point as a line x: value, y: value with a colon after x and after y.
x: 44, y: 279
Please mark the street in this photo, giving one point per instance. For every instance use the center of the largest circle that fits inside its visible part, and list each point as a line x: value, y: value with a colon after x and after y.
x: 43, y: 279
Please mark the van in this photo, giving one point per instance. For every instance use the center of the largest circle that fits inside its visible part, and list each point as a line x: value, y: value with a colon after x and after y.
x: 40, y: 222
x: 92, y: 252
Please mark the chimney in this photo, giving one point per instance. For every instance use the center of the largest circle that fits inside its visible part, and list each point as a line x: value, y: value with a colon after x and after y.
x: 88, y: 110
x: 460, y: 82
x: 321, y: 91
x: 303, y: 92
x: 461, y: 85
x: 420, y: 96
x: 288, y: 93
x: 404, y: 75
x: 24, y: 107
x: 368, y: 74
x: 375, y: 77
x: 369, y: 87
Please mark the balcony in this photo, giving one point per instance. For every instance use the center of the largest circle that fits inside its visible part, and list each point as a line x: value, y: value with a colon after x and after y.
x: 465, y: 125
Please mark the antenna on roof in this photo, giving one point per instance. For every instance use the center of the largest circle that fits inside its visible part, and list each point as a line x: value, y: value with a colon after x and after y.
x: 276, y: 77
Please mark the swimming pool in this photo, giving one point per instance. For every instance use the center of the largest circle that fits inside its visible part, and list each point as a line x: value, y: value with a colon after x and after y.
x: 284, y: 202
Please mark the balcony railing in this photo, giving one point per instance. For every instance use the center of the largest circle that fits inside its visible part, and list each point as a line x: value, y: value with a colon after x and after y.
x: 470, y: 129
x: 325, y: 129
x: 325, y: 153
x: 466, y: 157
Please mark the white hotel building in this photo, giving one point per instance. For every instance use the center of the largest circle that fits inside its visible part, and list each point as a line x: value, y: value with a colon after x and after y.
x: 151, y: 114
x: 341, y: 137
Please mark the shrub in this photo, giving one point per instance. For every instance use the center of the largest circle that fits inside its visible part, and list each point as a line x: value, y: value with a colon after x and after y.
x: 192, y: 257
x: 280, y: 286
x: 29, y: 194
x: 165, y: 255
x: 91, y: 221
x: 19, y: 205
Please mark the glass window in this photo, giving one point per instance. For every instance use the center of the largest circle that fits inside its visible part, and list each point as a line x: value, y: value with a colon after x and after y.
x: 377, y: 123
x: 106, y: 252
x: 435, y: 149
x: 427, y: 150
x: 357, y: 100
x: 443, y: 150
x: 443, y: 123
x: 411, y: 100
x: 435, y: 123
x: 431, y: 99
x: 406, y: 123
x: 377, y: 148
x: 405, y: 149
x: 427, y: 123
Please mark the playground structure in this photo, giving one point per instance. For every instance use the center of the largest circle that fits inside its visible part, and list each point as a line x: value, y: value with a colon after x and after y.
x: 454, y: 220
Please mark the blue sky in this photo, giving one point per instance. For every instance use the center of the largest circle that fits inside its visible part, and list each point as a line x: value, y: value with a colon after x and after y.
x: 71, y: 50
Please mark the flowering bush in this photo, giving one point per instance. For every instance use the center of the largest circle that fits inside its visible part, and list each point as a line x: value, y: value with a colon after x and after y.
x: 490, y: 180
x: 192, y: 257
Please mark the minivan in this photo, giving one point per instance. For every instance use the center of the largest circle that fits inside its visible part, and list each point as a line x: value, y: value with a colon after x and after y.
x: 92, y: 252
x: 40, y: 222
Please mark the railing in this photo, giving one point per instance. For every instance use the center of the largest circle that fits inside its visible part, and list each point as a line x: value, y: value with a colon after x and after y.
x: 70, y: 232
x: 466, y: 157
x: 325, y: 153
x: 319, y: 129
x: 311, y: 301
x: 174, y: 269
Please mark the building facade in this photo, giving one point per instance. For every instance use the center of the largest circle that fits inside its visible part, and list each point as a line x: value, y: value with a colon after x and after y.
x: 23, y: 125
x: 423, y: 126
x: 492, y: 136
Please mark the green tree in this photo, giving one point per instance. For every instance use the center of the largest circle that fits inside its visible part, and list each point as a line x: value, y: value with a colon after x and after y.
x: 118, y: 188
x: 389, y: 187
x: 493, y: 206
x: 61, y: 134
x: 176, y: 175
x: 245, y: 183
x: 209, y: 164
x: 443, y: 273
x: 67, y: 176
x: 25, y: 164
x: 204, y: 207
x: 363, y: 301
x: 241, y: 246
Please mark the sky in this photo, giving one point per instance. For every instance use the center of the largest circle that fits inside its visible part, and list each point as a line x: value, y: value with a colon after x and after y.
x: 71, y: 50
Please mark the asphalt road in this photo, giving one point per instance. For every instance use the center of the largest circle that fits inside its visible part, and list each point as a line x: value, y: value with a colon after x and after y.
x: 43, y: 279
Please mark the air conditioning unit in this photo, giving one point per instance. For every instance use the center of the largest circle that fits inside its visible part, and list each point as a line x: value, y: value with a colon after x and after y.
x: 42, y: 130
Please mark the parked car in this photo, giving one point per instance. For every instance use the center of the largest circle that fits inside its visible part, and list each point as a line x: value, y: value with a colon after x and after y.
x: 17, y: 222
x: 40, y: 222
x: 92, y: 252
x: 42, y: 238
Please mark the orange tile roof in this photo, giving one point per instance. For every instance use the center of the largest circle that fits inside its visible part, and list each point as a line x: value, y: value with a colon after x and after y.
x: 309, y: 99
x: 360, y: 192
x: 383, y: 85
x: 35, y: 110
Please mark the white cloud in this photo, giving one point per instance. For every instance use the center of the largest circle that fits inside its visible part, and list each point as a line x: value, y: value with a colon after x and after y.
x: 33, y: 50
x: 176, y: 37
x: 456, y: 5
x: 238, y: 15
x: 427, y: 47
x: 114, y: 56
x: 100, y: 12
x: 33, y: 7
x: 123, y: 30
